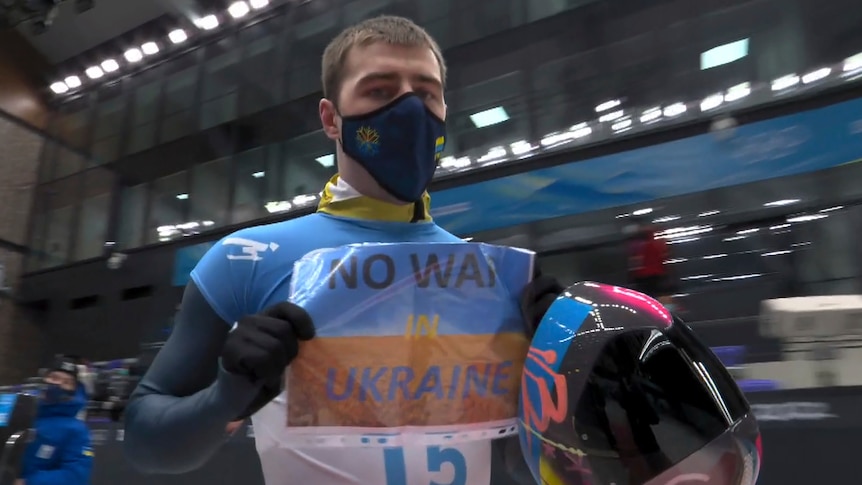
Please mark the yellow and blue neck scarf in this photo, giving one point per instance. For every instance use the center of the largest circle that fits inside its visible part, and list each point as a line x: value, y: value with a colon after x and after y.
x: 341, y: 200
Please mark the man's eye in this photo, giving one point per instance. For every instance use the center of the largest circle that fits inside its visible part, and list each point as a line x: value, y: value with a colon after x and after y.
x: 379, y: 93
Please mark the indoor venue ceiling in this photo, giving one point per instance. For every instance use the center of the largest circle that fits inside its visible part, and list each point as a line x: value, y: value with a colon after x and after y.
x: 74, y: 33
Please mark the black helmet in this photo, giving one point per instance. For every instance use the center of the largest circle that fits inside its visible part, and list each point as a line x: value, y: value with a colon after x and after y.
x: 63, y: 363
x: 616, y: 391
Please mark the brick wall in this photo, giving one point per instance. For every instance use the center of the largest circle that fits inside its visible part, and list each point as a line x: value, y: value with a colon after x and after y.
x: 21, y: 341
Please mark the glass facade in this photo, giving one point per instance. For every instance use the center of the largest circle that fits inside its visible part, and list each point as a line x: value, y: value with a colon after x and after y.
x: 227, y: 132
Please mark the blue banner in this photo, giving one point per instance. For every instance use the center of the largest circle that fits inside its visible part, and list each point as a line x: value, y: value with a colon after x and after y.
x: 790, y: 145
x: 7, y: 405
x: 409, y: 336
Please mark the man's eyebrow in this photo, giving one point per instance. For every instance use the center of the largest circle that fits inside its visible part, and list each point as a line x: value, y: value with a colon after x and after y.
x: 393, y: 76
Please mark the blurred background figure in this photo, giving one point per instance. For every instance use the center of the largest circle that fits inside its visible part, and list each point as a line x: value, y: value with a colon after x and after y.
x: 61, y: 453
x: 647, y: 268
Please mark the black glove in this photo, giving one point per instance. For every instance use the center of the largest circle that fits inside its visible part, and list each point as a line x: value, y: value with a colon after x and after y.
x: 537, y: 297
x: 260, y: 346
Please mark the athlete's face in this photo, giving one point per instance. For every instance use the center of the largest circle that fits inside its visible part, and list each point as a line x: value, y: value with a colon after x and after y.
x: 376, y: 74
x: 62, y: 379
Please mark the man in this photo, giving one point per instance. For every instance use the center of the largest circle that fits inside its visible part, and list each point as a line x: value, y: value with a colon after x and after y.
x: 384, y: 108
x: 61, y: 452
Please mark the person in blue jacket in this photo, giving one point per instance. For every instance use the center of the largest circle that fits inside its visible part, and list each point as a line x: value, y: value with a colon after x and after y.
x: 60, y: 454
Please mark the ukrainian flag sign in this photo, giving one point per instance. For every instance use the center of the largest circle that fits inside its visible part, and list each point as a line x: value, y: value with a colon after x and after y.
x: 413, y: 340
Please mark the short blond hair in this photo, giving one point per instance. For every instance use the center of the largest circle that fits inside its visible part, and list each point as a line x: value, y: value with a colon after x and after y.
x: 390, y: 29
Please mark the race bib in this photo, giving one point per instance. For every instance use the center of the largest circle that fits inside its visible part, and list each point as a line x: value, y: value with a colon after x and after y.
x: 416, y: 344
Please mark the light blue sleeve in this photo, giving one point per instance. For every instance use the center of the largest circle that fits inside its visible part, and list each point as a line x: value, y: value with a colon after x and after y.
x: 225, y: 274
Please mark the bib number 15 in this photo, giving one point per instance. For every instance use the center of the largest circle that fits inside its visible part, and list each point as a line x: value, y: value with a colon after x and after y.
x: 437, y: 457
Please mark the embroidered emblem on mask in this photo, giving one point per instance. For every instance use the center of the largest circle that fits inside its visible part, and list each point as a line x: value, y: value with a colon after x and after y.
x: 368, y: 140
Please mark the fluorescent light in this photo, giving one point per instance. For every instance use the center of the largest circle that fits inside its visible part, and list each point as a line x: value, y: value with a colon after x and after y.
x: 608, y: 105
x: 178, y: 36
x: 614, y: 115
x: 455, y: 163
x: 708, y: 213
x: 853, y: 63
x: 110, y: 65
x: 642, y: 212
x: 674, y: 109
x: 133, y: 55
x: 150, y: 48
x: 651, y: 115
x: 327, y: 161
x: 238, y: 9
x: 277, y: 206
x: 59, y: 87
x: 711, y: 102
x: 521, y: 147
x: 258, y: 4
x: 816, y: 75
x: 258, y: 175
x: 94, y: 72
x: 182, y: 196
x: 622, y: 125
x: 737, y: 92
x: 494, y: 153
x: 73, y: 82
x: 489, y: 117
x: 207, y: 23
x: 807, y: 218
x: 781, y: 203
x: 723, y: 54
x: 785, y: 82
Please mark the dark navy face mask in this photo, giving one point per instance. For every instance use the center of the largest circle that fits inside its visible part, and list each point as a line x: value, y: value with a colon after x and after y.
x: 399, y: 145
x: 54, y: 394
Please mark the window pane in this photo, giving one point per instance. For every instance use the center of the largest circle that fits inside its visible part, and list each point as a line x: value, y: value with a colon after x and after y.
x: 210, y: 193
x: 312, y: 36
x: 37, y: 242
x: 168, y: 209
x: 67, y: 162
x: 133, y: 207
x: 221, y: 72
x: 263, y: 71
x: 220, y: 83
x: 145, y: 110
x: 255, y: 174
x: 95, y: 212
x: 47, y: 160
x: 307, y: 164
x: 70, y: 126
x: 179, y: 98
x: 110, y: 116
x: 72, y: 123
x: 359, y: 10
x: 57, y: 203
x: 483, y: 18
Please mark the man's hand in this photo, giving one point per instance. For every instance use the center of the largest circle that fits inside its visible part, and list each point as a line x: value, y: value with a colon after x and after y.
x: 233, y: 426
x: 537, y: 297
x: 260, y: 346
